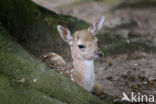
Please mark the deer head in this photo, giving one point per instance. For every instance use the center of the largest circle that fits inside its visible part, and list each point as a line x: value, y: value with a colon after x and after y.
x: 83, y: 43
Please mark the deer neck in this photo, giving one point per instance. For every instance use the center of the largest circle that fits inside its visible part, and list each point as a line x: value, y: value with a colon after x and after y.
x: 83, y: 72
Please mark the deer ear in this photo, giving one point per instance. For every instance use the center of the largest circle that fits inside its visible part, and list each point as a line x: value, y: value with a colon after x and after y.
x: 65, y: 34
x: 96, y: 27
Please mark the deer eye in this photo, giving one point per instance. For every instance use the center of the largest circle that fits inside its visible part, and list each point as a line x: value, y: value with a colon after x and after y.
x: 81, y: 46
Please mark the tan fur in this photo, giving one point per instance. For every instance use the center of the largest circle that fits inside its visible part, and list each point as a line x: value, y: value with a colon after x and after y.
x: 81, y: 59
x: 87, y: 39
x: 80, y: 65
x: 82, y: 71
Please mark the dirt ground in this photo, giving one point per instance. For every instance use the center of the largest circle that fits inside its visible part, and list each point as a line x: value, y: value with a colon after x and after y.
x: 135, y: 72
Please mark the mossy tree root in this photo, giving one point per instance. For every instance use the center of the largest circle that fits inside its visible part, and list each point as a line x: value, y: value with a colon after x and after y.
x: 22, y: 95
x: 134, y: 3
x: 129, y: 46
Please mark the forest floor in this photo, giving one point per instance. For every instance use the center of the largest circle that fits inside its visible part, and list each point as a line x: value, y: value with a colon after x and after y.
x: 129, y: 72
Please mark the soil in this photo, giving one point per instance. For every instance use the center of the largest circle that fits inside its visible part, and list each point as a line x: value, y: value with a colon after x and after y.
x: 135, y: 72
x: 127, y: 73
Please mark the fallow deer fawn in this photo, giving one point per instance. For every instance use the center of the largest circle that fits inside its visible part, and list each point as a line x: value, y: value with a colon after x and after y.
x: 84, y: 50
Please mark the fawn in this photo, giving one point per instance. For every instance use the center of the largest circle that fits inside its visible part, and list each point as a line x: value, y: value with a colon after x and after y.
x: 84, y: 50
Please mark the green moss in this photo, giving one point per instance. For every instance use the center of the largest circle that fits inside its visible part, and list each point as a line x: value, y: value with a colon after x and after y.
x: 109, y: 37
x: 135, y: 3
x: 22, y: 95
x: 129, y: 46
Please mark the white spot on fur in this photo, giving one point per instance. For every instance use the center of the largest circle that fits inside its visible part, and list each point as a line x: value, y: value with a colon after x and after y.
x: 67, y: 72
x: 56, y: 58
x: 72, y: 77
x: 53, y: 53
x: 35, y: 80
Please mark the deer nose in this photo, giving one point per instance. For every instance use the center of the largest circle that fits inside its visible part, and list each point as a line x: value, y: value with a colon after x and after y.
x: 99, y: 53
